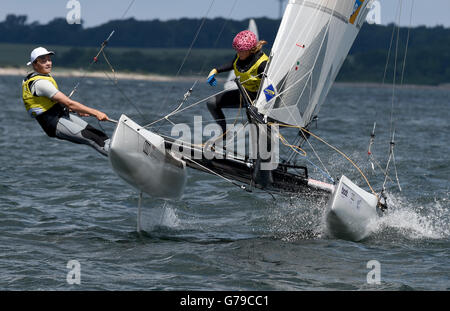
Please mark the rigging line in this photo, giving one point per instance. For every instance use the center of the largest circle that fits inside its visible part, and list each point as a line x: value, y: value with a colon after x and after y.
x: 396, y: 174
x: 185, y: 98
x: 116, y: 84
x: 401, y: 83
x: 337, y: 150
x: 392, y: 144
x: 195, y: 38
x: 390, y: 49
x: 194, y: 122
x: 242, y: 187
x: 386, y: 170
x: 294, y: 147
x: 407, y: 42
x: 188, y: 107
x: 395, y: 70
x: 387, y: 64
x: 317, y: 155
x: 94, y: 60
x: 227, y: 20
x: 293, y: 155
x: 392, y: 130
x: 129, y: 7
x: 372, y: 138
x: 100, y: 51
x: 192, y: 105
x: 186, y: 56
x: 182, y: 143
x: 235, y: 133
x: 345, y: 156
x: 217, y: 174
x: 223, y: 134
x: 114, y: 80
x: 379, y: 166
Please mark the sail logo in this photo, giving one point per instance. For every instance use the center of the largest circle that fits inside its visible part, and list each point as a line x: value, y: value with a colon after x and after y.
x: 269, y: 92
x: 148, y: 148
x: 356, y: 10
x: 344, y: 192
x: 357, y: 5
x: 374, y: 14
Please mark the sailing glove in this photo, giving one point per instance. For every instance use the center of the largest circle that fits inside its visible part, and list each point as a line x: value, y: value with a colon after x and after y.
x: 212, y: 77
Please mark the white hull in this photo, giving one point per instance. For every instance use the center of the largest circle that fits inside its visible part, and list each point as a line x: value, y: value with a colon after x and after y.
x: 350, y: 211
x: 139, y: 157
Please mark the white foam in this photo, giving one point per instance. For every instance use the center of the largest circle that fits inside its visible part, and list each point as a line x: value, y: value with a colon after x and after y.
x: 157, y: 217
x: 412, y: 221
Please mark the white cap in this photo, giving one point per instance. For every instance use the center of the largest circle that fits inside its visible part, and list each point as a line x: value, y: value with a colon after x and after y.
x: 40, y: 51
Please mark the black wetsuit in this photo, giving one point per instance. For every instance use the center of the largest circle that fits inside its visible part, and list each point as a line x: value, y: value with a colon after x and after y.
x: 231, y: 99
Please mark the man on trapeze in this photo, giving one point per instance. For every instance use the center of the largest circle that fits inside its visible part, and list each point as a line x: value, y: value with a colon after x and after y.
x: 51, y: 107
x: 248, y: 65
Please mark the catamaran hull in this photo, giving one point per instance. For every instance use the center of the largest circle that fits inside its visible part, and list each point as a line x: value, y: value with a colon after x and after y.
x: 139, y: 157
x: 351, y: 211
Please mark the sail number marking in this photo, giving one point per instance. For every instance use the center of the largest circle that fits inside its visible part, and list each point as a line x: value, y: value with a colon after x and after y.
x: 148, y: 148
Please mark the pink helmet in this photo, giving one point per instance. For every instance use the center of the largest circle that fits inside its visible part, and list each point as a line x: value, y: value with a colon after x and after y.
x: 244, y: 41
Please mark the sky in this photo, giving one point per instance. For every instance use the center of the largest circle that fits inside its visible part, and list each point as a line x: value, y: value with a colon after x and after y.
x: 96, y: 12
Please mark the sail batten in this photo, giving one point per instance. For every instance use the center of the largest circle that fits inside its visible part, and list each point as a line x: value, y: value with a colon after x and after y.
x: 312, y: 43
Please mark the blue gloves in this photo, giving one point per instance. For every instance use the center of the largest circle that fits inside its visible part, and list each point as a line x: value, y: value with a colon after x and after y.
x: 212, y: 78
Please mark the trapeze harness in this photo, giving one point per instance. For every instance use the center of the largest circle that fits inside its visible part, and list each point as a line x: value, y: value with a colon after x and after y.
x: 249, y: 71
x: 55, y: 119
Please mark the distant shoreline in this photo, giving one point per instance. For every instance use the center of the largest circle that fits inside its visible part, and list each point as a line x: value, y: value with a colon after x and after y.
x: 11, y: 71
x: 94, y: 74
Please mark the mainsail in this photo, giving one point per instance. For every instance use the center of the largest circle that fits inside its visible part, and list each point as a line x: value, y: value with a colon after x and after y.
x: 312, y: 43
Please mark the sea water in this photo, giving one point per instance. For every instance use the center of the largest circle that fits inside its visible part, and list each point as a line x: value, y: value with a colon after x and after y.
x: 68, y: 222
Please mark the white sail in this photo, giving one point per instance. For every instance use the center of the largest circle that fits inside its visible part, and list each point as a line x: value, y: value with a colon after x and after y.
x: 311, y: 45
x: 230, y: 84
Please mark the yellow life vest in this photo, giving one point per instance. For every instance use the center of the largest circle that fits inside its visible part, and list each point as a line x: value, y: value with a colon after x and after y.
x: 35, y: 105
x: 250, y: 79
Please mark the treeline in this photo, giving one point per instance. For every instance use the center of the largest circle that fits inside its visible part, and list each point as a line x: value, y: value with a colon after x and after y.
x: 133, y: 33
x: 428, y: 58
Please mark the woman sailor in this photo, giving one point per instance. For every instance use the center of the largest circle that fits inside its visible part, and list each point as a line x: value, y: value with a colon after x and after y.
x: 248, y: 65
x: 50, y: 107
